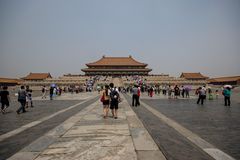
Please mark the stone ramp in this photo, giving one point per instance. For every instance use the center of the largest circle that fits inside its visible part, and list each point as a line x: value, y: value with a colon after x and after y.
x: 87, y: 135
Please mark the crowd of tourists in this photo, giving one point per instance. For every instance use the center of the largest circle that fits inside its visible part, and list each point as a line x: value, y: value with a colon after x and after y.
x: 109, y: 100
x: 111, y: 97
x: 24, y: 98
x: 174, y: 92
x: 203, y: 91
x: 53, y: 91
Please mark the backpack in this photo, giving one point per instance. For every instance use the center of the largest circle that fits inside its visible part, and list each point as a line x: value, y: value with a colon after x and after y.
x: 114, y: 95
x: 226, y: 93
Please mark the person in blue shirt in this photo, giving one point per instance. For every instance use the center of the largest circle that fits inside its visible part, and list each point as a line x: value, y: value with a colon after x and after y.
x: 227, y: 94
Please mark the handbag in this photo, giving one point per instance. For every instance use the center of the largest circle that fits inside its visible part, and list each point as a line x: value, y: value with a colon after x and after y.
x: 102, y: 98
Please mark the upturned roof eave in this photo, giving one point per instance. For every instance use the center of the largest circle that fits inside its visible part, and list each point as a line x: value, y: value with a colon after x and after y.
x: 105, y: 69
x: 225, y: 79
x: 194, y: 75
x: 102, y: 65
x: 37, y: 76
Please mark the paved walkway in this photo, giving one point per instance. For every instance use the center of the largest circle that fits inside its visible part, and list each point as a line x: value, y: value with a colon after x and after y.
x: 86, y: 135
x: 184, y: 130
x: 74, y: 128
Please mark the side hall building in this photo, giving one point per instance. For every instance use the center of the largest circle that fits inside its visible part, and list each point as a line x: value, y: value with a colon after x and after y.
x: 10, y: 81
x: 116, y: 66
x: 193, y: 76
x: 37, y: 76
x: 233, y: 80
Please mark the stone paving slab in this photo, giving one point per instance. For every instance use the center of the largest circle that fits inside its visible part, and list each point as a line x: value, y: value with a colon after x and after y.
x: 11, y: 120
x: 213, y: 122
x: 60, y: 130
x: 194, y: 138
x: 95, y: 130
x: 144, y: 145
x: 104, y: 149
x: 38, y: 144
x: 150, y: 155
x: 87, y: 135
x: 94, y: 141
x: 25, y: 156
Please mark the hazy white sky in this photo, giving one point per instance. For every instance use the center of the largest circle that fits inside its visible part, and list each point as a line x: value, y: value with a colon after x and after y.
x: 172, y: 36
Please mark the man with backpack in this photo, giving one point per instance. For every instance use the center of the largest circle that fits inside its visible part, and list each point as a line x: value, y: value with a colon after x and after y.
x: 114, y: 97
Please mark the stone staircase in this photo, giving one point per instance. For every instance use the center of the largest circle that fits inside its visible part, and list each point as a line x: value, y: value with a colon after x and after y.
x: 118, y: 82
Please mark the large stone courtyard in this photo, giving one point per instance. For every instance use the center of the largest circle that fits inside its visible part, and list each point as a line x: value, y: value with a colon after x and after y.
x: 72, y: 127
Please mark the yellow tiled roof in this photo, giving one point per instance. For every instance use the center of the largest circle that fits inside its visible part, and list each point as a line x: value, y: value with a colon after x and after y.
x: 9, y: 80
x: 225, y: 79
x: 37, y: 76
x: 192, y: 75
x: 116, y: 61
